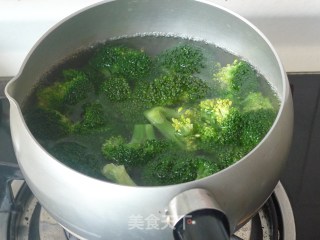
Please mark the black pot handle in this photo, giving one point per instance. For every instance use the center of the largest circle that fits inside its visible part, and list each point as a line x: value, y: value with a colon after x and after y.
x: 205, y: 224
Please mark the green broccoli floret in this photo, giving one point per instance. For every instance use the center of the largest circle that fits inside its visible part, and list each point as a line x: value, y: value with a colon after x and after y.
x: 48, y: 124
x: 183, y: 122
x: 255, y: 126
x: 258, y: 117
x: 215, y: 110
x: 212, y: 121
x: 142, y: 147
x: 117, y: 149
x: 129, y: 112
x: 123, y: 115
x: 116, y: 89
x: 95, y: 77
x: 173, y: 88
x: 237, y: 79
x: 213, y: 126
x: 229, y: 154
x: 92, y: 119
x: 231, y: 127
x: 220, y: 121
x: 78, y: 157
x: 176, y: 84
x: 74, y: 88
x: 206, y: 167
x: 184, y: 59
x: 117, y: 174
x: 255, y: 101
x: 120, y: 61
x: 173, y: 167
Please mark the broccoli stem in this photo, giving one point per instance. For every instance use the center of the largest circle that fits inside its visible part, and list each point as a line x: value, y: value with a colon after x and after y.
x: 117, y: 174
x: 158, y: 117
x: 141, y: 133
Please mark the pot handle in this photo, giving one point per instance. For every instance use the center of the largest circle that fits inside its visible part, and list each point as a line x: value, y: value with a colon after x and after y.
x: 195, y: 215
x: 202, y: 225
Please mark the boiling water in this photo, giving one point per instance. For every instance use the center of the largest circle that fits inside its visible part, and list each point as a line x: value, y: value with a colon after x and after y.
x: 214, y: 57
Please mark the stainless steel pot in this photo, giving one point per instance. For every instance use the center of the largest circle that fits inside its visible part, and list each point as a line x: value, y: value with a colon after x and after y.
x: 95, y: 209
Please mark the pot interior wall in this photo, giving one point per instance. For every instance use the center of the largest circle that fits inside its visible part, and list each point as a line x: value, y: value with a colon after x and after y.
x: 127, y: 18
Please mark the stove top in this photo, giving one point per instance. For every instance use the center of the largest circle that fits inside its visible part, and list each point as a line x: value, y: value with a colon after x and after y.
x: 22, y: 217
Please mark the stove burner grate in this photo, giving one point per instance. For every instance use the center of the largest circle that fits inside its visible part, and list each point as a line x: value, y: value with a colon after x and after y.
x: 28, y: 220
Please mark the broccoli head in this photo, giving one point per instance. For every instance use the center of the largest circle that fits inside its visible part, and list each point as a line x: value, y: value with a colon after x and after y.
x: 124, y: 115
x: 120, y: 61
x: 118, y: 150
x: 258, y: 117
x: 95, y: 77
x: 229, y: 154
x: 74, y: 88
x: 93, y: 118
x: 237, y: 79
x: 231, y: 127
x: 206, y: 167
x: 48, y: 124
x: 116, y: 89
x: 184, y: 124
x: 173, y: 167
x: 215, y: 110
x: 255, y: 101
x: 173, y: 89
x: 256, y: 124
x: 78, y: 157
x: 212, y: 121
x: 220, y: 121
x: 183, y: 59
x: 142, y: 147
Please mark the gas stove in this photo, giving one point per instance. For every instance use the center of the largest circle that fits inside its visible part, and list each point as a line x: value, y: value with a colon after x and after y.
x: 22, y: 217
x: 26, y: 219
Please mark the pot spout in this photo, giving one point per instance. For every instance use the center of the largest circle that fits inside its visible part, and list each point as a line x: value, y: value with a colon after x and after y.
x: 13, y: 92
